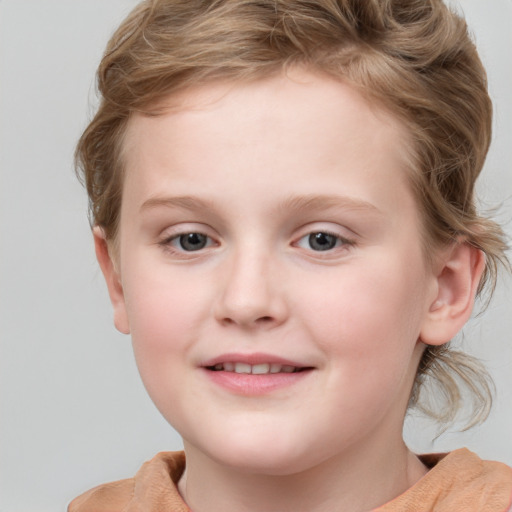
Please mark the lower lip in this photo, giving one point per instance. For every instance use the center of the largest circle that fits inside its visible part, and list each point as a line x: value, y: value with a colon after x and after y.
x: 253, y: 385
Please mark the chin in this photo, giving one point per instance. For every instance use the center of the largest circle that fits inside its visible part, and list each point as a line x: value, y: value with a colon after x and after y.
x: 265, y: 464
x: 273, y: 457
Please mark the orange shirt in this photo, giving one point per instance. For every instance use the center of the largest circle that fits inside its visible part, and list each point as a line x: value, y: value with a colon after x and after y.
x: 458, y: 482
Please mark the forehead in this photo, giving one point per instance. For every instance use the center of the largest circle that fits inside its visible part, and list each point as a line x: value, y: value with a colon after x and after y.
x: 301, y: 92
x: 286, y: 130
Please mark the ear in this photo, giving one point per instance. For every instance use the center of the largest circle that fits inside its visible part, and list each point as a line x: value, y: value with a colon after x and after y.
x: 112, y: 278
x: 457, y: 279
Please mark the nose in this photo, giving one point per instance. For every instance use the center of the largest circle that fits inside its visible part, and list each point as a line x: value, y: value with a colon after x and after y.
x: 251, y: 294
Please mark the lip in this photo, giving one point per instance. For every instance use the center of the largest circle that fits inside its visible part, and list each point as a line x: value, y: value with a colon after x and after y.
x: 252, y: 359
x: 248, y: 384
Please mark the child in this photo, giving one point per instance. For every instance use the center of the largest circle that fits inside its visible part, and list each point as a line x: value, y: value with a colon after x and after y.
x: 283, y: 209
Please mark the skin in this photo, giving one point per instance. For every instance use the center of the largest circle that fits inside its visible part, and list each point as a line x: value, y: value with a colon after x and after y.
x: 257, y: 167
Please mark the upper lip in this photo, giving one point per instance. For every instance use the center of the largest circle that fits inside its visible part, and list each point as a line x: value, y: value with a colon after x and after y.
x: 252, y: 359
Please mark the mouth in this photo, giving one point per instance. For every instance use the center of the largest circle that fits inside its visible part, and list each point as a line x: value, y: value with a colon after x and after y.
x: 255, y: 374
x: 256, y: 369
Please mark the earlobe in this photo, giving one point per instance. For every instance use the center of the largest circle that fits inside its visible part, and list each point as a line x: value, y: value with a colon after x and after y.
x: 457, y: 282
x: 112, y: 279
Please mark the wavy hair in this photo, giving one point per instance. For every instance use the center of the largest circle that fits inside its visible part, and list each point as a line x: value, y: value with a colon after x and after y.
x: 414, y: 57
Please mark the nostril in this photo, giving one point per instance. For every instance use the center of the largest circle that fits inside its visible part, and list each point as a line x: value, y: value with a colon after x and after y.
x: 260, y: 321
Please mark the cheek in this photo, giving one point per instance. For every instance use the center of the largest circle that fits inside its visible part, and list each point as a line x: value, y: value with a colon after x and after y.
x: 368, y: 330
x: 165, y: 312
x: 164, y: 318
x: 368, y: 312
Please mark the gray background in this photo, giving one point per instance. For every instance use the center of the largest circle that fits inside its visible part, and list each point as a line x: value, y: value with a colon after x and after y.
x: 73, y: 412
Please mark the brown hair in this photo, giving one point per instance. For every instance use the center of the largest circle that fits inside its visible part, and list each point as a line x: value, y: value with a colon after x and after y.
x: 414, y: 57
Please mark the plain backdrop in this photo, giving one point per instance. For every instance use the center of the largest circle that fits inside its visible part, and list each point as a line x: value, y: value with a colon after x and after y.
x: 73, y: 411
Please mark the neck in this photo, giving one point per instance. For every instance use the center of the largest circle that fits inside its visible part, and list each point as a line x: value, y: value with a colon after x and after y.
x: 351, y: 482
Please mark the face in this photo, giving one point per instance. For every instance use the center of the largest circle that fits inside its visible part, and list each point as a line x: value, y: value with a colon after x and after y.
x: 271, y: 271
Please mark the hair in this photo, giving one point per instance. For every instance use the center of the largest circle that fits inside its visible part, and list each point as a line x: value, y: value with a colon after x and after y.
x: 413, y: 57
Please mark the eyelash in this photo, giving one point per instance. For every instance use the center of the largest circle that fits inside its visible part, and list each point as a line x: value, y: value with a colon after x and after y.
x: 168, y: 243
x: 340, y: 241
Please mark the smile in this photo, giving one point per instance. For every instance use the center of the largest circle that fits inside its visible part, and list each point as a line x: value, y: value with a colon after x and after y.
x: 255, y: 374
x: 255, y: 369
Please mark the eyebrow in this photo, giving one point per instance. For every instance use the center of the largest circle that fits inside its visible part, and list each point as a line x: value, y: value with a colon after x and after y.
x: 184, y: 202
x: 309, y: 202
x: 314, y: 202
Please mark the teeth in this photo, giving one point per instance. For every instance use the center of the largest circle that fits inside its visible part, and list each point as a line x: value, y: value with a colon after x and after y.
x: 242, y: 368
x: 260, y: 368
x: 256, y: 369
x: 228, y: 367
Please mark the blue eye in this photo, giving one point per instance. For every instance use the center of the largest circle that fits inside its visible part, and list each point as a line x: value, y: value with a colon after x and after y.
x: 189, y: 242
x: 321, y: 241
x: 193, y: 241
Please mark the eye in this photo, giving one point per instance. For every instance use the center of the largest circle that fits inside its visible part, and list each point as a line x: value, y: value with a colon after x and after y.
x: 189, y: 242
x: 321, y: 241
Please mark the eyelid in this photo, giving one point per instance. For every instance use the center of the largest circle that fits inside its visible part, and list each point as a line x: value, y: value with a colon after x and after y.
x: 329, y: 228
x: 344, y: 240
x: 171, y: 239
x: 173, y: 233
x: 182, y: 228
x: 347, y: 242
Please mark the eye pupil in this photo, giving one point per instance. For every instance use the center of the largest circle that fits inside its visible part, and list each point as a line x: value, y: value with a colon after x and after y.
x: 322, y: 241
x: 193, y: 241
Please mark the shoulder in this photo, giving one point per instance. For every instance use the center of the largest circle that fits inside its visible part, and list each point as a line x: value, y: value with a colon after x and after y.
x: 469, y: 483
x: 111, y: 497
x: 456, y: 482
x: 154, y: 484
